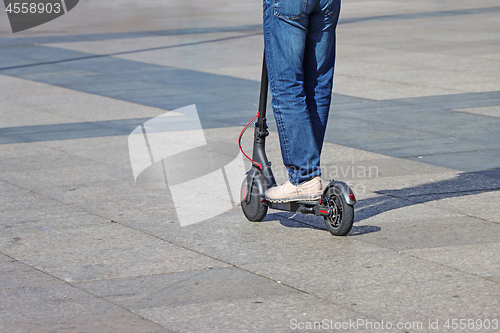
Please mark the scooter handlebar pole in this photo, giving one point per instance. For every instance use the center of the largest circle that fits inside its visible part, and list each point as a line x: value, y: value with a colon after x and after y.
x: 264, y: 87
x: 259, y: 152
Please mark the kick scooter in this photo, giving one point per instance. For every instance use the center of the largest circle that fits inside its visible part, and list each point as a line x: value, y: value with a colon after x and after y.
x: 336, y: 204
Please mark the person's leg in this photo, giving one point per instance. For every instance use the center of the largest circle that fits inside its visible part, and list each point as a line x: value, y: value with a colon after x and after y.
x: 319, y: 61
x: 285, y: 33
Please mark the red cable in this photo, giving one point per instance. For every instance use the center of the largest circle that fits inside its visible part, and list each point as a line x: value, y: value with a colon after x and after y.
x: 239, y: 142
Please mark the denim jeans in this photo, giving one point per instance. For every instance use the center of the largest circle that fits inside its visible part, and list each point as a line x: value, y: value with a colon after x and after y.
x: 299, y: 38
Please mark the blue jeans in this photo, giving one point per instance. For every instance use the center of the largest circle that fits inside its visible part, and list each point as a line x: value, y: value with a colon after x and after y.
x: 299, y: 40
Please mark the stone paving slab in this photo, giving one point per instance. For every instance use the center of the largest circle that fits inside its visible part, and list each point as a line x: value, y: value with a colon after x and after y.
x: 413, y: 129
x: 278, y: 314
x: 428, y: 233
x: 481, y: 205
x: 14, y: 275
x: 14, y: 197
x: 107, y: 251
x: 107, y: 150
x: 467, y: 161
x: 278, y: 265
x: 75, y: 106
x: 345, y: 282
x: 486, y: 263
x: 492, y: 111
x: 430, y: 298
x: 47, y: 218
x: 62, y: 307
x: 190, y: 287
x: 120, y: 321
x: 51, y: 184
x: 31, y: 115
x: 37, y: 157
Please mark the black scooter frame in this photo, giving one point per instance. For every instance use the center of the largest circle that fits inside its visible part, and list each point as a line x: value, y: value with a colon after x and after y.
x: 260, y: 177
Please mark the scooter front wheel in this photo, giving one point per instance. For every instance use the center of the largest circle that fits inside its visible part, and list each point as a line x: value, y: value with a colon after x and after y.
x: 251, y: 204
x: 339, y: 221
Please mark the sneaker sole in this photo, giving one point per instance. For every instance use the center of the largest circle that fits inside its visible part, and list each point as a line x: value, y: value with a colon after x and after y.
x: 302, y: 198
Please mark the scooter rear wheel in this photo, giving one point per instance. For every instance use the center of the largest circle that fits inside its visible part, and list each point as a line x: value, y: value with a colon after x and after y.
x: 339, y: 221
x: 254, y: 209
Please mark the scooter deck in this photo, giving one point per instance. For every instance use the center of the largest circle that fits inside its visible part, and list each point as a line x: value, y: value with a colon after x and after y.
x: 303, y: 207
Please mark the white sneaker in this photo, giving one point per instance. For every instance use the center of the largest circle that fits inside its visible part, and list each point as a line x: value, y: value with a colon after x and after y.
x: 286, y: 192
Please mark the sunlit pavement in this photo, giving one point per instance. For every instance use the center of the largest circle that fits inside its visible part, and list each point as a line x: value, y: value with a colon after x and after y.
x: 413, y: 130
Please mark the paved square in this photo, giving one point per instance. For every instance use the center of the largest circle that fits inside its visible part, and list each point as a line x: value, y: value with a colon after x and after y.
x: 413, y: 129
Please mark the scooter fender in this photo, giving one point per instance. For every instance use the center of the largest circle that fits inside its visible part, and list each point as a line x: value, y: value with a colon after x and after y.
x: 346, y: 191
x: 256, y: 178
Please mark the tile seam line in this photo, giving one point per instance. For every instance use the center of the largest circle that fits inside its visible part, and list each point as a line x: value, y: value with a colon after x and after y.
x: 149, y: 275
x: 346, y: 20
x: 94, y: 56
x: 74, y: 284
x: 241, y: 268
x: 444, y: 209
x: 61, y: 203
x: 248, y: 271
x: 394, y: 82
x: 63, y: 167
x: 30, y: 287
x: 414, y: 128
x: 21, y: 209
x: 453, y: 153
x: 74, y: 226
x: 98, y: 280
x: 423, y: 15
x: 342, y: 21
x: 438, y: 264
x: 407, y: 100
x: 492, y: 189
x: 299, y: 289
x: 140, y: 34
x: 449, y: 267
x: 455, y: 109
x: 85, y: 291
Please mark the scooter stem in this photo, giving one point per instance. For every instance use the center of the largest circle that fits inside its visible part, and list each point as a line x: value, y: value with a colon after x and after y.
x: 264, y: 87
x: 261, y: 132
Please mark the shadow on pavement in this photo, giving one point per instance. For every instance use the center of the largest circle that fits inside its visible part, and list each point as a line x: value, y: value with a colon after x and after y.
x: 467, y: 183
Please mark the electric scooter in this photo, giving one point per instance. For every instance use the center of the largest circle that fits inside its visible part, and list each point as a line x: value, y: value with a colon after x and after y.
x: 336, y: 204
